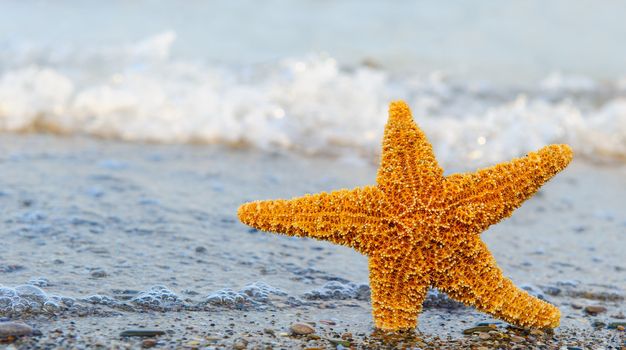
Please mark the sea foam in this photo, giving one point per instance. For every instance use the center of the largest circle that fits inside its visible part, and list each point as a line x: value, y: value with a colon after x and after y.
x: 139, y: 92
x: 31, y: 299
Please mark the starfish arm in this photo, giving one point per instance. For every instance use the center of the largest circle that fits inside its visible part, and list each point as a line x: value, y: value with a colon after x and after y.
x: 398, y: 286
x: 477, y: 281
x: 343, y: 217
x: 487, y: 196
x: 408, y: 169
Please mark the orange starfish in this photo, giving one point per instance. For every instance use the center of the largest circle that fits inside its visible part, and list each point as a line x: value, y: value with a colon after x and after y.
x: 421, y: 229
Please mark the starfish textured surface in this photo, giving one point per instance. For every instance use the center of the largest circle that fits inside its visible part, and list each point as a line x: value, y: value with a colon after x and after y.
x: 421, y: 229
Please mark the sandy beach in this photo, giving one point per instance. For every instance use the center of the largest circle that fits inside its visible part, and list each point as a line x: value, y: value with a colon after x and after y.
x: 102, y: 237
x: 131, y: 132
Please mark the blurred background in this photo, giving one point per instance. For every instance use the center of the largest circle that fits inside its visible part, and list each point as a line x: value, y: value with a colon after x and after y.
x: 316, y: 76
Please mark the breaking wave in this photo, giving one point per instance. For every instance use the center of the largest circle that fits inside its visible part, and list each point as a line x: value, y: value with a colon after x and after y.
x: 139, y: 92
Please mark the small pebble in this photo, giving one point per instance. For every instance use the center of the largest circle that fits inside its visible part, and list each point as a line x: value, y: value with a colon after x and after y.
x: 14, y: 329
x: 148, y: 343
x: 595, y: 309
x: 240, y: 344
x: 339, y: 342
x: 479, y: 329
x: 616, y: 325
x: 302, y: 329
x: 489, y: 324
x: 98, y: 274
x: 553, y: 291
x: 598, y: 324
x: 517, y: 339
x: 193, y: 344
x: 484, y: 336
x: 141, y: 333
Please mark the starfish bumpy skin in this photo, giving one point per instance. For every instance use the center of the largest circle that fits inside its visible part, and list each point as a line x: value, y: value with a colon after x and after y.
x: 421, y: 229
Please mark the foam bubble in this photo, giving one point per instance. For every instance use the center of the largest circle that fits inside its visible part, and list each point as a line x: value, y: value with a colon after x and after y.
x: 256, y: 294
x: 158, y: 298
x: 98, y: 299
x: 336, y: 290
x: 31, y: 299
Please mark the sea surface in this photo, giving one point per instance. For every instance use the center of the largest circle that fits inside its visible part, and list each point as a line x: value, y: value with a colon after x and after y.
x: 487, y: 81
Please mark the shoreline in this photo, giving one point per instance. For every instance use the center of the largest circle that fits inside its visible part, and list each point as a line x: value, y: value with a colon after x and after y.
x: 90, y: 217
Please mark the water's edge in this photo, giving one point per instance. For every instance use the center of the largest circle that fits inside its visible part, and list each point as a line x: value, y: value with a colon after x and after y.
x: 113, y: 236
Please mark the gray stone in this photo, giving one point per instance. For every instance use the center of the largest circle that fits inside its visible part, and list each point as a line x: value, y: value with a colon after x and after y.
x: 14, y: 329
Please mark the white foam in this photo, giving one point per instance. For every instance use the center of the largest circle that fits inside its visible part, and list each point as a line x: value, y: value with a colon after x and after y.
x: 339, y: 291
x: 158, y: 298
x: 254, y: 294
x: 28, y: 298
x: 138, y: 92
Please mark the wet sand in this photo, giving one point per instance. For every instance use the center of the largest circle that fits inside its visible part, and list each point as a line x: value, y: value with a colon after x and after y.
x: 96, y: 226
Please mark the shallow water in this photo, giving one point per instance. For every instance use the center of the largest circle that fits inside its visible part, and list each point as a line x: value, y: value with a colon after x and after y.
x: 119, y: 235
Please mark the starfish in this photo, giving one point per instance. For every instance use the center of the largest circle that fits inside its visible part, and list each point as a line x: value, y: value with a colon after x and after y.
x: 421, y: 229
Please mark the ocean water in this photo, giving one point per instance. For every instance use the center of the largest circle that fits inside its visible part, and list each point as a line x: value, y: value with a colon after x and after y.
x: 486, y: 81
